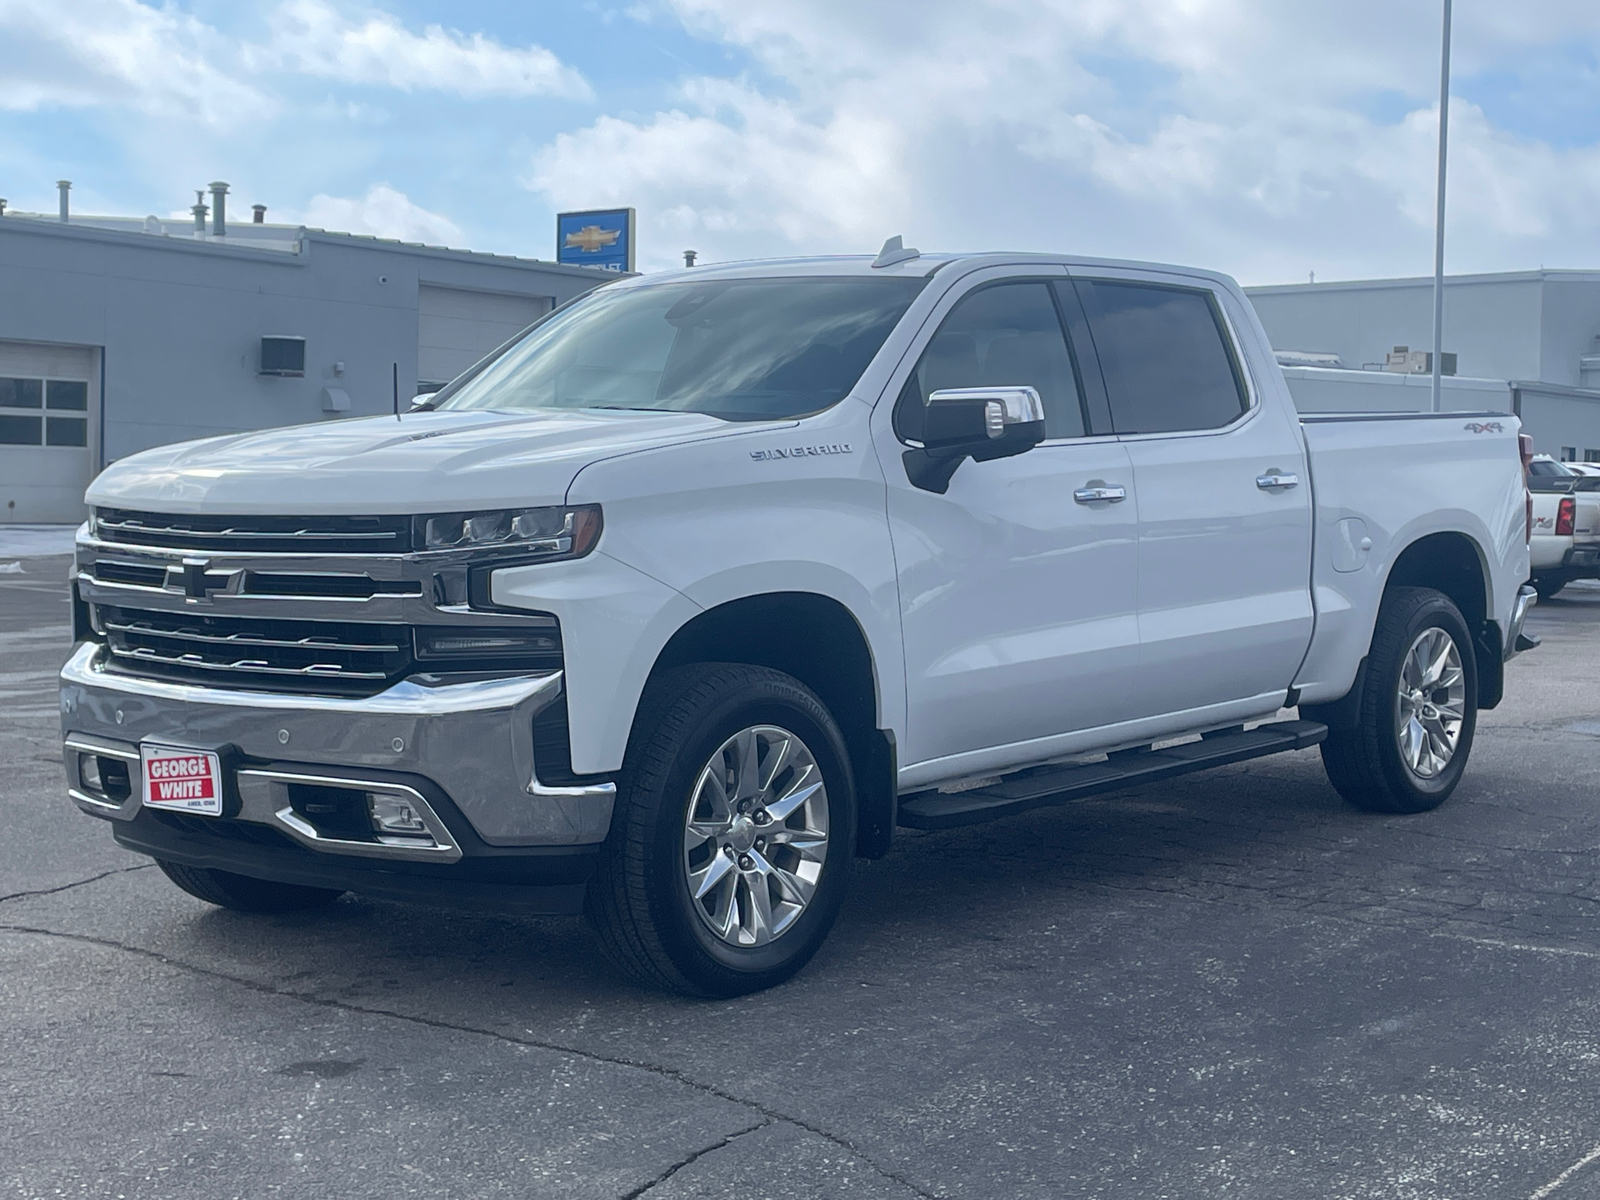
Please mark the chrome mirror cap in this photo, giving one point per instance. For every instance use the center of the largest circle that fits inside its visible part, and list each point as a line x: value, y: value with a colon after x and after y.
x: 1002, y: 406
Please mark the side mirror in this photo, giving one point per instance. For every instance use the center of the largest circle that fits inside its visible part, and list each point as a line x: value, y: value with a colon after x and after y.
x: 977, y: 423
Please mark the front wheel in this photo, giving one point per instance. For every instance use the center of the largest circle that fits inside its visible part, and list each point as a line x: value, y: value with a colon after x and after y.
x: 730, y: 847
x: 1413, y: 729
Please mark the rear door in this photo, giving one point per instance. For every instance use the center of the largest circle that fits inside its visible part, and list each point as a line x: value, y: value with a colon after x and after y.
x: 1224, y: 498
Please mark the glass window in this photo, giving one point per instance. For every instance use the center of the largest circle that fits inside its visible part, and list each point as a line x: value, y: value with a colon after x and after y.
x: 66, y: 431
x: 1591, y: 456
x: 1569, y: 454
x: 21, y: 393
x: 1545, y: 466
x: 71, y: 394
x: 18, y: 431
x: 1166, y: 359
x: 740, y: 349
x: 1006, y: 335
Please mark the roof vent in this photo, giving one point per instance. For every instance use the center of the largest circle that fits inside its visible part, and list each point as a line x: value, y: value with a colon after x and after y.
x: 895, y: 251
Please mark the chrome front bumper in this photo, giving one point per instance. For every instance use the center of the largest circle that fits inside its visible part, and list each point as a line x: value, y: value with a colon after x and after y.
x: 1527, y: 597
x: 474, y: 741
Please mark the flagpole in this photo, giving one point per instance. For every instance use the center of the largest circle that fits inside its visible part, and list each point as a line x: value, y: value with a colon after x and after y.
x: 1438, y: 220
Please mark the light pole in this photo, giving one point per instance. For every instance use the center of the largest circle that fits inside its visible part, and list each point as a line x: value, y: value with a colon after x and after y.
x: 1438, y: 219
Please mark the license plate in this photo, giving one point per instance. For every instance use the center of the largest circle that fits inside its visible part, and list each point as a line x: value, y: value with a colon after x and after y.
x: 182, y: 780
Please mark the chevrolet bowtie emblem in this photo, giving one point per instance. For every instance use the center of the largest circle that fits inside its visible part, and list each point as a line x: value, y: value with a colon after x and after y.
x: 591, y: 238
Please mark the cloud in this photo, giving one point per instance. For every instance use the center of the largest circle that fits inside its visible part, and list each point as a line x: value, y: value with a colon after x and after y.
x: 160, y: 62
x: 382, y: 212
x: 1262, y: 136
x: 312, y: 38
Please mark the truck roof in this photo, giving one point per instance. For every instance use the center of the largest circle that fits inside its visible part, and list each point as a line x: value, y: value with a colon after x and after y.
x: 924, y: 264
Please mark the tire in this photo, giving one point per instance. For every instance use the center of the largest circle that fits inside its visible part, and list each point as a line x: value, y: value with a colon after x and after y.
x: 1549, y: 585
x: 676, y: 814
x: 1366, y: 761
x: 244, y: 894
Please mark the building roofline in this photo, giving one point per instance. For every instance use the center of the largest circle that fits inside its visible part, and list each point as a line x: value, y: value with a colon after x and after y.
x: 1555, y: 389
x: 1542, y: 275
x: 289, y: 251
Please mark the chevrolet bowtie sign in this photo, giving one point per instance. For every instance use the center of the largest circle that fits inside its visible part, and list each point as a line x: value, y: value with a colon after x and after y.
x: 596, y: 239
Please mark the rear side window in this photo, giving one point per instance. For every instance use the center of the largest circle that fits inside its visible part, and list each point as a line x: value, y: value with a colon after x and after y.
x: 1167, y: 361
x: 1005, y: 335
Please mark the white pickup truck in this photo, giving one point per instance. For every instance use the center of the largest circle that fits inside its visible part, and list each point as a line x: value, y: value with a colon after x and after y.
x: 694, y: 592
x: 1565, y: 541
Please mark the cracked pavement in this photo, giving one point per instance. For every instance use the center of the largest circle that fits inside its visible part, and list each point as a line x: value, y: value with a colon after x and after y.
x: 1227, y: 984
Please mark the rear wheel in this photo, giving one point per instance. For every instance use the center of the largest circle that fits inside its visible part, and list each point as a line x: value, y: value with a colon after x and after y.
x: 1413, y: 729
x: 244, y: 894
x: 730, y: 847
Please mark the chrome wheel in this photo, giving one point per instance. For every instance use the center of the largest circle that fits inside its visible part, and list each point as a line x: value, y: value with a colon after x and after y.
x: 1431, y: 703
x: 756, y: 835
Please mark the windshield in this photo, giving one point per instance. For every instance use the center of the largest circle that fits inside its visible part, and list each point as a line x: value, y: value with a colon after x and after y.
x: 743, y: 350
x: 1549, y: 468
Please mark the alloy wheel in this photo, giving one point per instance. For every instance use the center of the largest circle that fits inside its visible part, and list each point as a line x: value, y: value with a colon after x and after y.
x: 755, y: 836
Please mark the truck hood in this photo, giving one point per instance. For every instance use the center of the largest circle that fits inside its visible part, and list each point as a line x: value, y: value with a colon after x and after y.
x: 422, y: 462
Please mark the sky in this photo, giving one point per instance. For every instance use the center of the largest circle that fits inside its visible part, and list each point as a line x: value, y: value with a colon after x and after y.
x: 1265, y: 138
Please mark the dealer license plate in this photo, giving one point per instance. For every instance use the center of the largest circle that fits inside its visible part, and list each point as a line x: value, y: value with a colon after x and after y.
x: 182, y: 780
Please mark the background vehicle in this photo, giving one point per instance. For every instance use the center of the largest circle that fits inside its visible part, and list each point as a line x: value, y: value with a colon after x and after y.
x: 1565, y: 543
x: 714, y: 578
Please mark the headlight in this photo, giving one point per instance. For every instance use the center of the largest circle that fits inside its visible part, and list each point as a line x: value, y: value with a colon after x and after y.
x: 546, y: 533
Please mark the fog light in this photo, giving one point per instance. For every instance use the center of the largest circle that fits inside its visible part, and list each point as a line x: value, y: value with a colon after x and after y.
x: 89, y: 773
x: 396, y: 815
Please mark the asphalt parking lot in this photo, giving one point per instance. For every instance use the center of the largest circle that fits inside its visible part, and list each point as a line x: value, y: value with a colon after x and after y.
x: 1229, y: 985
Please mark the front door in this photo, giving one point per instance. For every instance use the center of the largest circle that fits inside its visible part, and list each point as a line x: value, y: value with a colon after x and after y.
x: 1017, y: 586
x: 1224, y: 497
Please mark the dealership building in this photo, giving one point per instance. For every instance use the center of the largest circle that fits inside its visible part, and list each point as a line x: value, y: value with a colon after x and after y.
x: 118, y: 334
x: 1524, y: 342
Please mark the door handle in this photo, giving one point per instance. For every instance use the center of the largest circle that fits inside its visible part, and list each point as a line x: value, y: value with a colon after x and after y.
x: 1277, y: 482
x: 1088, y: 495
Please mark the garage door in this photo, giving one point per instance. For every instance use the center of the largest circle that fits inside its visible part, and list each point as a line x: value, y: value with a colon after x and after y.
x: 49, y: 400
x: 455, y: 328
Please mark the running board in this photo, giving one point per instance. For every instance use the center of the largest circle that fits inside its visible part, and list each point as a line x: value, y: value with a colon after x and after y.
x: 1020, y: 792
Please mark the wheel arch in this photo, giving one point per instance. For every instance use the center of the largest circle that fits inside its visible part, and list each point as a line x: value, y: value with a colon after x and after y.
x: 819, y: 641
x: 1454, y: 563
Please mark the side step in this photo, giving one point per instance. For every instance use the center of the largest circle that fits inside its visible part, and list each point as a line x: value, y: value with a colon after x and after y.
x: 1020, y: 792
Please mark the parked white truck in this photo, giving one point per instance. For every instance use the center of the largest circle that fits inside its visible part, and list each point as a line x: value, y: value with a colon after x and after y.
x: 698, y: 589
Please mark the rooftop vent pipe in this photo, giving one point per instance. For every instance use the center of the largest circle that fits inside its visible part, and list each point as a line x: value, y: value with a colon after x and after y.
x: 63, y: 186
x: 258, y: 214
x: 2, y: 207
x: 199, y: 211
x: 689, y: 256
x: 219, y: 215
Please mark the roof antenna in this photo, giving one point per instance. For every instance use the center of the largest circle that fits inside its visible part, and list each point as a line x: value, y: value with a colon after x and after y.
x: 895, y: 251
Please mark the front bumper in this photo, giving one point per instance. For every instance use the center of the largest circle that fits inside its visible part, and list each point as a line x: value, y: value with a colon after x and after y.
x: 465, y: 750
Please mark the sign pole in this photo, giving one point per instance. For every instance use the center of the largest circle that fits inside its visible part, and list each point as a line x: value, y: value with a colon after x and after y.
x: 1438, y: 220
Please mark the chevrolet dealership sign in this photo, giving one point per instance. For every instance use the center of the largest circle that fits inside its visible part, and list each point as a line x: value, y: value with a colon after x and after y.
x: 601, y: 238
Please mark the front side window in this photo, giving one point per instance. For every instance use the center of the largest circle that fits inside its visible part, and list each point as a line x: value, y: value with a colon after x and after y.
x: 1166, y: 358
x: 1004, y: 335
x: 742, y: 350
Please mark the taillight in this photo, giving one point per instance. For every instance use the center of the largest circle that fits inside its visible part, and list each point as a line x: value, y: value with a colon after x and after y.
x: 1565, y: 515
x: 1525, y: 448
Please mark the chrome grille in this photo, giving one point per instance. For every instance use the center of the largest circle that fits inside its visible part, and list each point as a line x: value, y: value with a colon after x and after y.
x: 272, y: 655
x: 255, y: 534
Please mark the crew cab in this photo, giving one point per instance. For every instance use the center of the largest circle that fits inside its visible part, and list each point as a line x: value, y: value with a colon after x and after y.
x: 712, y: 579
